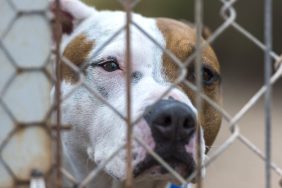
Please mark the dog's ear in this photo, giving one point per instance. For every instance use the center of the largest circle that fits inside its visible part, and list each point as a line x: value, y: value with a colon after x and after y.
x: 206, y: 32
x: 72, y: 13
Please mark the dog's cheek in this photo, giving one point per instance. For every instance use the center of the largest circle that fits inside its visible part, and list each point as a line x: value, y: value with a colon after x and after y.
x: 107, y: 85
x: 117, y: 166
x: 109, y: 135
x: 117, y: 169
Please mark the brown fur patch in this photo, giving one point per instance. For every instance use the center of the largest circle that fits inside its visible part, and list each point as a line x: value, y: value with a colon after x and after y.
x: 180, y: 40
x: 76, y: 51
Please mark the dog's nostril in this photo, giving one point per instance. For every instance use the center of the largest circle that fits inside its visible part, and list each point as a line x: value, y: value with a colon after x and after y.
x: 167, y: 121
x: 188, y: 123
x: 163, y: 121
x: 171, y: 98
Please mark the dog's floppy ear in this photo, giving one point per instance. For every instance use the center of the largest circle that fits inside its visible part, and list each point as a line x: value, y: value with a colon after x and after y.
x: 72, y: 13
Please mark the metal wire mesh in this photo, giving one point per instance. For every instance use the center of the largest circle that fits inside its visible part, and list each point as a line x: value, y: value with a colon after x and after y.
x: 24, y: 67
x: 18, y: 66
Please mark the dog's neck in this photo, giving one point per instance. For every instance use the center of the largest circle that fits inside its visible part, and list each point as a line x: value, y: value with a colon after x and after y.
x: 147, y: 184
x: 105, y: 181
x: 152, y: 184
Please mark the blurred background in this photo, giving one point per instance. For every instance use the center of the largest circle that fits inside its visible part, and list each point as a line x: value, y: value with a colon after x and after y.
x: 242, y: 73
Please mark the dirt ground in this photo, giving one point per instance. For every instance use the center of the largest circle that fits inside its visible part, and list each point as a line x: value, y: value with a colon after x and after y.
x: 238, y: 166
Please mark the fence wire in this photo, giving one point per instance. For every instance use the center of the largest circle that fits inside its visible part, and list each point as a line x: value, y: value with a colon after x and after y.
x: 51, y: 172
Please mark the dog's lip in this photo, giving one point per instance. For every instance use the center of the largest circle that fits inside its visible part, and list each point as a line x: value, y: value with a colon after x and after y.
x: 151, y: 167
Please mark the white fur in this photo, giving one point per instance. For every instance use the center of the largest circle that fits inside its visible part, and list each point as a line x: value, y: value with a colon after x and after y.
x: 98, y: 131
x: 76, y: 8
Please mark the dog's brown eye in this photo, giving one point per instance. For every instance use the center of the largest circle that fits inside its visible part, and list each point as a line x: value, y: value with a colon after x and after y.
x: 208, y: 76
x: 110, y: 66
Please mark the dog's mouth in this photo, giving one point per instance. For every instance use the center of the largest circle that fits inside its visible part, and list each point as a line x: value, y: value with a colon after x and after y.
x: 182, y: 164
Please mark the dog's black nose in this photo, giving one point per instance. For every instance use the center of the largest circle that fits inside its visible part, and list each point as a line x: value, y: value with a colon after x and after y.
x: 170, y: 121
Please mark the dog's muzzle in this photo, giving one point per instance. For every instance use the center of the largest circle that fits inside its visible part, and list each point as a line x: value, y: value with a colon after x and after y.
x: 172, y: 124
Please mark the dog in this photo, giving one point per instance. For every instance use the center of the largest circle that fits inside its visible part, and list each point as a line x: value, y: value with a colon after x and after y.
x: 167, y: 126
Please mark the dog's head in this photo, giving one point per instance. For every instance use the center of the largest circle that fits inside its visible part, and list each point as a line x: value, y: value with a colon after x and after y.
x: 168, y: 125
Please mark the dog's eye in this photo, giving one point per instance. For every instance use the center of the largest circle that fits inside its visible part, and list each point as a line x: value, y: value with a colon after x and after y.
x: 110, y: 64
x: 208, y: 76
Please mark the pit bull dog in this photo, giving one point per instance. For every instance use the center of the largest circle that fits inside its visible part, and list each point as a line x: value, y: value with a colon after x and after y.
x: 167, y: 126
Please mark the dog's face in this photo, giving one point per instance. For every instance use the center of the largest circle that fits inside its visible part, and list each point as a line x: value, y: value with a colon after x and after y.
x: 167, y: 126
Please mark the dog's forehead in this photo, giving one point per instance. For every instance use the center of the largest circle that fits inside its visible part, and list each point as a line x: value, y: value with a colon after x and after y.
x: 143, y: 50
x: 105, y: 24
x: 173, y: 35
x: 181, y: 40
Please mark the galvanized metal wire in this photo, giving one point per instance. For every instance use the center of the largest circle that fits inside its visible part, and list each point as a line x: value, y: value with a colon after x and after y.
x: 229, y: 15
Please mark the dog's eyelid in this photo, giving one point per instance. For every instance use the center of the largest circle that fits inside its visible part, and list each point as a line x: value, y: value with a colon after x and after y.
x: 112, y: 58
x: 97, y: 62
x: 103, y: 60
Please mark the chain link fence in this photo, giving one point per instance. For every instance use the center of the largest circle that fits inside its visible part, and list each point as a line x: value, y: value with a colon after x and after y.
x: 30, y: 147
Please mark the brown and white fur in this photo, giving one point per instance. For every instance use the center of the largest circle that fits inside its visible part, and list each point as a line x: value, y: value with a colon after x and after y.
x: 97, y: 130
